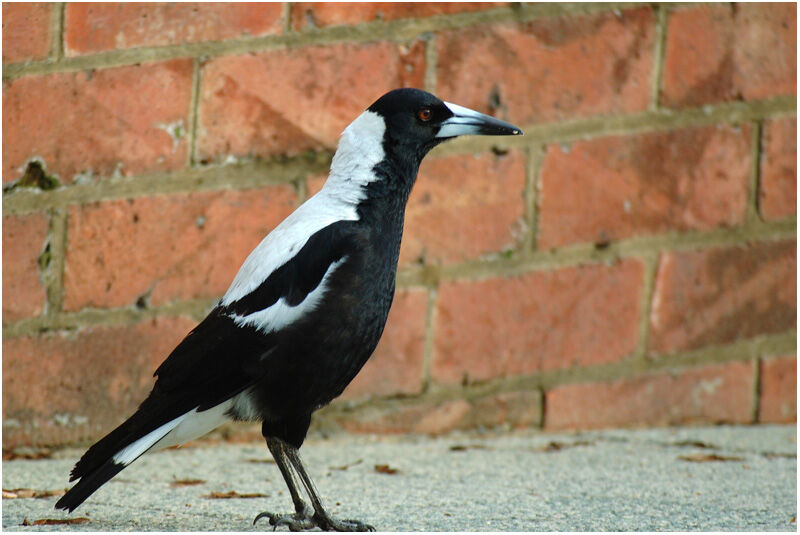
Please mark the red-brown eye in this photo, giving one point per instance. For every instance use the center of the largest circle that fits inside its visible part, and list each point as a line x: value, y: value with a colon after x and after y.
x: 425, y: 114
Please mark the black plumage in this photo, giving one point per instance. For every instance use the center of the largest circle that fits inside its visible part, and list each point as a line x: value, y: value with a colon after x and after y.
x: 305, y: 312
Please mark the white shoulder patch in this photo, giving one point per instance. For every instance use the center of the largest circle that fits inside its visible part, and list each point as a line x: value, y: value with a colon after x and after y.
x: 285, y: 241
x: 360, y: 149
x: 281, y: 314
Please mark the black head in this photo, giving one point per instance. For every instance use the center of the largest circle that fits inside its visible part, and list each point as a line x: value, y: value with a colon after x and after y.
x: 380, y: 152
x: 416, y: 121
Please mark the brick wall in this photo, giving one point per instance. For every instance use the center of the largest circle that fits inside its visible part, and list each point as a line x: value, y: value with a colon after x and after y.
x: 630, y: 261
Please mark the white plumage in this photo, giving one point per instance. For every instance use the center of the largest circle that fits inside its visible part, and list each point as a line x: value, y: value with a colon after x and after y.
x: 360, y: 149
x: 281, y: 314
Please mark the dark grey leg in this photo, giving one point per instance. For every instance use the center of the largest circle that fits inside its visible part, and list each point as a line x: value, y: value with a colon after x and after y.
x: 301, y: 520
x: 305, y: 518
x: 324, y: 520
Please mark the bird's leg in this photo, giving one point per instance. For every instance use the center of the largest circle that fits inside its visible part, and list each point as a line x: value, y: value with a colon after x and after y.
x: 302, y: 519
x: 321, y: 517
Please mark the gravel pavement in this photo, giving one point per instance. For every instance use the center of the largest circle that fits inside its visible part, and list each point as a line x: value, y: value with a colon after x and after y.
x: 678, y: 479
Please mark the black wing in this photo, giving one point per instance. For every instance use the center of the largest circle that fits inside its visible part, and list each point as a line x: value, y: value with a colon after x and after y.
x: 221, y: 357
x: 217, y: 360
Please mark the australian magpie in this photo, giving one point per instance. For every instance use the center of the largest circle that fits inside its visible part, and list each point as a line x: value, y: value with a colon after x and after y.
x: 304, y: 312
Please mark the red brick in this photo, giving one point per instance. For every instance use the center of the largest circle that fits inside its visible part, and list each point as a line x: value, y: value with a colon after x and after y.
x: 513, y: 409
x: 63, y: 388
x: 100, y: 122
x: 165, y: 247
x: 617, y: 187
x: 322, y: 14
x: 462, y: 207
x: 728, y: 52
x: 721, y: 393
x: 91, y: 27
x: 465, y: 206
x: 24, y: 240
x: 576, y: 316
x: 717, y: 296
x: 396, y: 366
x: 26, y: 31
x: 290, y: 101
x: 778, y: 186
x: 550, y: 69
x: 778, y: 390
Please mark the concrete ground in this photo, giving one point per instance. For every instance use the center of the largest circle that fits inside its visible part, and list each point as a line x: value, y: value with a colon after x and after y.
x: 680, y: 479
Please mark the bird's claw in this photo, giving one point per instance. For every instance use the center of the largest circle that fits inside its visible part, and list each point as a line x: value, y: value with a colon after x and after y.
x: 305, y: 521
x: 346, y: 525
x: 294, y: 522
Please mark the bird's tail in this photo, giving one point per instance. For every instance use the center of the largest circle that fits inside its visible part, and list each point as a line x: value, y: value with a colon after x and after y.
x: 86, y: 486
x: 109, y: 456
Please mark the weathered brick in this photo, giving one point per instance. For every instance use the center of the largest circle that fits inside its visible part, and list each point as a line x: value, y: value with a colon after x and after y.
x: 465, y: 206
x: 720, y: 393
x: 322, y: 14
x: 62, y: 388
x: 576, y: 316
x: 127, y: 120
x: 717, y: 296
x: 574, y: 66
x: 26, y: 31
x: 727, y: 52
x: 290, y: 101
x: 24, y: 240
x: 461, y: 208
x: 98, y: 27
x: 778, y: 390
x: 512, y: 409
x: 396, y: 365
x: 778, y: 185
x: 617, y: 187
x: 165, y: 247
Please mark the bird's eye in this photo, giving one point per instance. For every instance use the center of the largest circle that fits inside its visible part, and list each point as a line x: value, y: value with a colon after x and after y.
x: 424, y: 114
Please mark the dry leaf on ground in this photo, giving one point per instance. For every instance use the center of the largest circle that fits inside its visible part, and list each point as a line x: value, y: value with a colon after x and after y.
x: 10, y: 494
x: 55, y: 521
x: 232, y: 494
x: 385, y: 469
x: 708, y: 458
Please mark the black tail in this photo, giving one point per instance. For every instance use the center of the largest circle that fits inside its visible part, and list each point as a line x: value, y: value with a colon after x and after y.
x: 87, y: 485
x: 97, y: 465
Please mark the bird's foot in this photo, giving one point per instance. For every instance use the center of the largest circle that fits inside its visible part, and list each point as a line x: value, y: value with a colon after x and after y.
x: 306, y: 519
x: 329, y: 523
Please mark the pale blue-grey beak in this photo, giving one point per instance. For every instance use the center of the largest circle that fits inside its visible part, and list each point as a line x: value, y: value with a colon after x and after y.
x: 466, y: 122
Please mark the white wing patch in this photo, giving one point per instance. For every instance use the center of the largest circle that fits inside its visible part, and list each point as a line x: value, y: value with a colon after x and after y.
x: 133, y: 451
x: 184, y: 428
x: 281, y: 314
x: 195, y: 424
x: 360, y: 149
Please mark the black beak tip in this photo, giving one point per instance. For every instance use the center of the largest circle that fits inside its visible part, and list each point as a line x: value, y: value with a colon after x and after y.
x: 508, y: 131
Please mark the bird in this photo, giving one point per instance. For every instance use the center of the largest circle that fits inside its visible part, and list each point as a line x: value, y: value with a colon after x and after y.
x: 303, y: 314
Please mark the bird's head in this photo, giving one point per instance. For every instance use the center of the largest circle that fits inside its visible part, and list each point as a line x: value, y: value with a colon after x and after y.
x: 418, y: 121
x: 383, y: 148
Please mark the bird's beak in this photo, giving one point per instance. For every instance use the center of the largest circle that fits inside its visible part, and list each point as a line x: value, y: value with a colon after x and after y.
x: 470, y: 122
